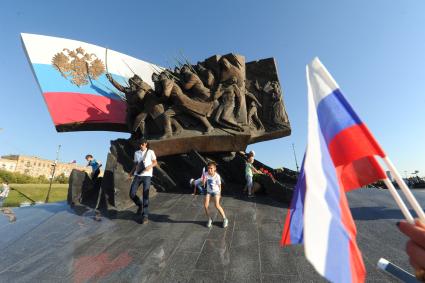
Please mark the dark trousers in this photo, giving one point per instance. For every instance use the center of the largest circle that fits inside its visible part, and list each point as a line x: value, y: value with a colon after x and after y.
x: 95, y: 175
x: 146, y: 181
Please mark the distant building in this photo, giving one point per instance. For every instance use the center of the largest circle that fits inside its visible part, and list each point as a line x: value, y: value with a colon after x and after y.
x: 7, y: 164
x: 35, y: 166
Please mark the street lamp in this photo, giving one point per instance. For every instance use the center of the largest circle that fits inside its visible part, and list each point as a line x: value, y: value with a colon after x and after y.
x: 53, y: 174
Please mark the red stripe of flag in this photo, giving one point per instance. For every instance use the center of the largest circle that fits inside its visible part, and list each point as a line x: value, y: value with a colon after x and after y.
x: 352, y: 151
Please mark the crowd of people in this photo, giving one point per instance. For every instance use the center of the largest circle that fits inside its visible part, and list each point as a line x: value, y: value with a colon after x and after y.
x: 208, y: 184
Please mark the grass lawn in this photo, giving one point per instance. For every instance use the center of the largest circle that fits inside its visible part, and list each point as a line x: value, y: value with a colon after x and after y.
x: 35, y: 192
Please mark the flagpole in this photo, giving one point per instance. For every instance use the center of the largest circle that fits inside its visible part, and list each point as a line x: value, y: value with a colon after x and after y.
x: 295, y: 156
x: 410, y: 197
x: 399, y: 201
x: 53, y: 174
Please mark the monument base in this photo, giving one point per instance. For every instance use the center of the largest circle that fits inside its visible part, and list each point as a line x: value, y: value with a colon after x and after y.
x: 172, y: 175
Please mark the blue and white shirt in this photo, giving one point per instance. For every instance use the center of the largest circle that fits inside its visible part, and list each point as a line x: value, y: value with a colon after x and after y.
x: 213, y: 183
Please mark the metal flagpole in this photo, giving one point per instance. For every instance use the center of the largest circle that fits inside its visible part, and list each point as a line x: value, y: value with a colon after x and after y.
x: 53, y: 174
x: 410, y: 197
x: 295, y: 156
x: 399, y: 201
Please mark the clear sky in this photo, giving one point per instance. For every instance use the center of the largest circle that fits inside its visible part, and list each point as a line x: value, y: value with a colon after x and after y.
x: 374, y: 49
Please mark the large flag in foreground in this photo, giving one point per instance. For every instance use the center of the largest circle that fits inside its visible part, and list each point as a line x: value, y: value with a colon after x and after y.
x: 339, y: 157
x: 72, y: 78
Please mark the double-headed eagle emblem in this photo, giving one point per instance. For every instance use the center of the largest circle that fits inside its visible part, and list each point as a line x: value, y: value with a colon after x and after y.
x: 78, y: 66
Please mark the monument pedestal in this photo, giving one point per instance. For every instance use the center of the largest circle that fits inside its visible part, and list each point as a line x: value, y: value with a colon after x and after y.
x: 172, y: 175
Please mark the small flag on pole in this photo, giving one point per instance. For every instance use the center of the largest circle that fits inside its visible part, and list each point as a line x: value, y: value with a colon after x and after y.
x: 339, y: 158
x: 204, y: 175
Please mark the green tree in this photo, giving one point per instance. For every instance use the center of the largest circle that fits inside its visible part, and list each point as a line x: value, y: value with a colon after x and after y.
x: 18, y: 178
x: 42, y: 180
x: 61, y: 179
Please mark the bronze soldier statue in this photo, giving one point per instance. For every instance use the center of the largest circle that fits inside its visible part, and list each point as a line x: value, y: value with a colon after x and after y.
x: 167, y: 121
x: 224, y: 116
x: 278, y: 114
x: 193, y: 86
x: 141, y: 103
x: 229, y: 73
x: 253, y: 119
x: 205, y: 75
x: 184, y: 104
x: 134, y: 94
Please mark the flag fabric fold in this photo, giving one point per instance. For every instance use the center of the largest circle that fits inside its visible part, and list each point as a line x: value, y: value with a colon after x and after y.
x: 340, y: 157
x: 294, y: 223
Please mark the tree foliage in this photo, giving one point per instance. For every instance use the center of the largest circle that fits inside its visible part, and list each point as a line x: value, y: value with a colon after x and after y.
x: 19, y: 178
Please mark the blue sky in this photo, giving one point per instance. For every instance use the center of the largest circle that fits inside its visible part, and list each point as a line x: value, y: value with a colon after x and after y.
x: 374, y: 49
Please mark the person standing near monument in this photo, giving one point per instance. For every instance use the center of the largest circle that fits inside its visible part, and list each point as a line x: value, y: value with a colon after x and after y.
x: 4, y: 192
x: 144, y: 162
x: 213, y: 183
x: 95, y: 167
x: 249, y: 172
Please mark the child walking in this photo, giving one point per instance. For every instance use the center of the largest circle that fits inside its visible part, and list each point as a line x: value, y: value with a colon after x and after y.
x: 213, y: 182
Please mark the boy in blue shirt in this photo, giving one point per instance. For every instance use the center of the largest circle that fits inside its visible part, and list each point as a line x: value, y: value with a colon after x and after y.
x: 95, y: 166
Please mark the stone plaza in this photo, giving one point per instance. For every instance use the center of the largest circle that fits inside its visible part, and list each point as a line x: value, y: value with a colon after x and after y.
x: 52, y: 243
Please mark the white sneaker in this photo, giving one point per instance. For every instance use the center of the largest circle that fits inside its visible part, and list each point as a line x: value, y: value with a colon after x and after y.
x: 225, y: 222
x: 209, y: 223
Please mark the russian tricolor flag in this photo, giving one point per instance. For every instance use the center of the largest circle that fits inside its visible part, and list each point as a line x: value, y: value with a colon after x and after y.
x: 339, y: 157
x: 92, y: 106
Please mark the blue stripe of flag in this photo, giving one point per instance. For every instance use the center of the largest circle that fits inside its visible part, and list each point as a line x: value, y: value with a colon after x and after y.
x: 296, y: 228
x: 51, y: 80
x: 335, y: 114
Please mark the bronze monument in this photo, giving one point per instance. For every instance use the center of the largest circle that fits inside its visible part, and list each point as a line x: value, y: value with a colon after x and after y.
x: 218, y: 105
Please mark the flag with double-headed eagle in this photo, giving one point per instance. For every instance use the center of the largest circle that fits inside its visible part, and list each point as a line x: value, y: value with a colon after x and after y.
x: 72, y: 78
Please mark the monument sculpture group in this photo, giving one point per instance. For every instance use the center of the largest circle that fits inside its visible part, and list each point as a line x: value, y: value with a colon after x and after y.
x: 221, y: 97
x: 190, y: 113
x: 218, y: 92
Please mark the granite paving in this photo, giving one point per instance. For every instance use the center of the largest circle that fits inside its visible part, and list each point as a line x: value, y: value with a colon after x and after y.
x: 53, y: 243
